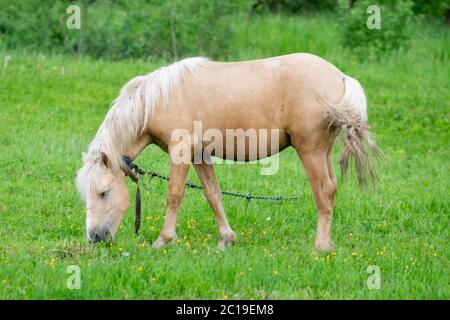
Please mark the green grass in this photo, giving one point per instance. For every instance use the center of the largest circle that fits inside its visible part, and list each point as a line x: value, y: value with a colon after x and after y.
x: 51, y: 107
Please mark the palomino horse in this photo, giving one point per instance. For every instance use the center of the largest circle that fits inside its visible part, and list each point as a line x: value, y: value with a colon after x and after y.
x: 307, y: 99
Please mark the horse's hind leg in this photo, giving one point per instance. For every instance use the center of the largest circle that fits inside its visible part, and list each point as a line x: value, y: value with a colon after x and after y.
x: 330, y: 165
x: 214, y: 196
x: 178, y: 176
x: 318, y: 167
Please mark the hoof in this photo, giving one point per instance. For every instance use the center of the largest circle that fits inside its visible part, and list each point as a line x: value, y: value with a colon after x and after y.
x: 324, y: 246
x: 227, y: 240
x: 163, y: 241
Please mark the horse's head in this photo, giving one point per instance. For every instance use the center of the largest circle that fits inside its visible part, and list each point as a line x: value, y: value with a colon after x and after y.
x: 106, y: 196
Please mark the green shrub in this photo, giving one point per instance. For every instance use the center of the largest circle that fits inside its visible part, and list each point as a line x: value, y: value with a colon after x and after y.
x: 437, y: 8
x: 32, y: 24
x: 396, y: 17
x: 168, y: 29
x: 121, y: 29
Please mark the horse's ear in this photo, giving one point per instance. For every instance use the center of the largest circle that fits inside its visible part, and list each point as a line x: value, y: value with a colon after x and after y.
x: 104, y: 160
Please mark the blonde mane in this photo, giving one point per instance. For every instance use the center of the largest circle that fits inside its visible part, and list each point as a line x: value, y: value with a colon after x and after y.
x: 130, y: 111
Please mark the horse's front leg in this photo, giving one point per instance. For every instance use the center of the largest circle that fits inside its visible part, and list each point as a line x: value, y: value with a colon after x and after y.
x: 213, y: 194
x: 178, y: 176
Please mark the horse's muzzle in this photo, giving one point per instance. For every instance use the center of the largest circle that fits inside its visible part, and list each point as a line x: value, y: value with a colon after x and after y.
x: 98, y: 235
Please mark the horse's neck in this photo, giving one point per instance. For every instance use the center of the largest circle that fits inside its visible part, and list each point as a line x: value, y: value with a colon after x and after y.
x: 133, y: 151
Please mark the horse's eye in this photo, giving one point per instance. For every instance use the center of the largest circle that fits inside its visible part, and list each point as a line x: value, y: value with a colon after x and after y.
x: 103, y: 194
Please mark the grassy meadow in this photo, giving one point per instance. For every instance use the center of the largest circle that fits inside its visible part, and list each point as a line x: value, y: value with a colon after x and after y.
x: 52, y: 105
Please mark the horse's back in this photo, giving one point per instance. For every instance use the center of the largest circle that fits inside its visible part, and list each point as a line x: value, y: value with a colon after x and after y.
x: 266, y: 92
x: 272, y: 81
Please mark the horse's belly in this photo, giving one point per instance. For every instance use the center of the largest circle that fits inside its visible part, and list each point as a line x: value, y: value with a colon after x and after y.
x: 244, y: 145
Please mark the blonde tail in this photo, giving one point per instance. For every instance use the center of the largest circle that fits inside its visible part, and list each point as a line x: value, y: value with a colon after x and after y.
x: 349, y: 116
